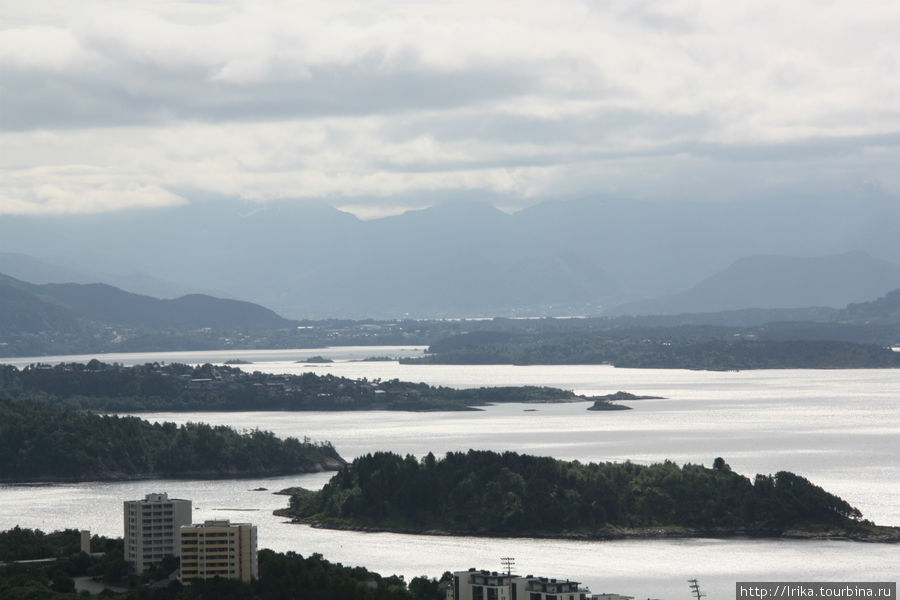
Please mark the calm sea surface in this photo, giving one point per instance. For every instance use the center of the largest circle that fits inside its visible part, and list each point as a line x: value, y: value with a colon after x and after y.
x: 840, y: 429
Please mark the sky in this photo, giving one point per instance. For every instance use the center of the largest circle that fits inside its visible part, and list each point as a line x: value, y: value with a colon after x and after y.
x: 375, y: 107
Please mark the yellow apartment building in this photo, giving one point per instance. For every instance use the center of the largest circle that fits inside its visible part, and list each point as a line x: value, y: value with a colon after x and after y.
x: 218, y: 549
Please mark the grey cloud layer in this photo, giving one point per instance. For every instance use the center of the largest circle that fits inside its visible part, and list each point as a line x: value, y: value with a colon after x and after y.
x: 145, y: 96
x: 105, y: 106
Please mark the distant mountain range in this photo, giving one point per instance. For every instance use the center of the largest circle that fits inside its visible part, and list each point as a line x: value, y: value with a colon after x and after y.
x: 30, y: 308
x: 578, y: 257
x: 770, y: 282
x: 43, y: 319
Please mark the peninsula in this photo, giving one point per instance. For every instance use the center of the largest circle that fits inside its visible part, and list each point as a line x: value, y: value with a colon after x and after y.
x: 177, y: 387
x: 48, y: 443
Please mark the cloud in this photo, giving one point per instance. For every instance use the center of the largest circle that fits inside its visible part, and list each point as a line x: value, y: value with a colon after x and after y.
x: 381, y: 100
x: 38, y: 48
x: 77, y: 190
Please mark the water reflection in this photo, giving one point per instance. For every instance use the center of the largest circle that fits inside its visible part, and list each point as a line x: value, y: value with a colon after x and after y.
x: 838, y: 428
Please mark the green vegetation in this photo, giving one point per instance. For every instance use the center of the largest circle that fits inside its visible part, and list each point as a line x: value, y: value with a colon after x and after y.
x: 62, y: 560
x: 176, y: 387
x: 662, y: 349
x: 486, y: 493
x: 282, y: 576
x: 33, y: 544
x: 46, y: 443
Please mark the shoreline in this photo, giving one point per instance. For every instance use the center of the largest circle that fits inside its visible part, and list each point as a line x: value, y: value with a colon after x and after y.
x: 332, y: 466
x: 888, y: 535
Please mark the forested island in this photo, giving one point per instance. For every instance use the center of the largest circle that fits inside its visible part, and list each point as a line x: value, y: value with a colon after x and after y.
x: 659, y: 349
x: 282, y: 575
x: 491, y: 494
x: 39, y: 442
x: 178, y: 387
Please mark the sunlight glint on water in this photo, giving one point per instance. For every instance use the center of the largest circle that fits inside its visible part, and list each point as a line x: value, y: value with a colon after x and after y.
x: 840, y: 429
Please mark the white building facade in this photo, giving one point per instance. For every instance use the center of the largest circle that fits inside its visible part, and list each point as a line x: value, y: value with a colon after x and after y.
x: 487, y: 585
x: 152, y: 529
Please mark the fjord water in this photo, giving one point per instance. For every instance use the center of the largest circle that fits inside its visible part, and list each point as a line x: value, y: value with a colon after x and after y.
x: 838, y: 428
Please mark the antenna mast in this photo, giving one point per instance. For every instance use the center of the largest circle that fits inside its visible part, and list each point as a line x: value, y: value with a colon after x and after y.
x: 508, y: 562
x: 695, y: 589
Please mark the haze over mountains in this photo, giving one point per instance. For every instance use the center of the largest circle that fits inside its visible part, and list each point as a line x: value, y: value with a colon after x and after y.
x: 779, y: 282
x: 66, y: 307
x: 470, y: 259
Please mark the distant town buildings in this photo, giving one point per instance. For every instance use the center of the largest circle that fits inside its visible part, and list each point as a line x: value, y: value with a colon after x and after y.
x: 152, y: 529
x: 219, y: 549
x: 487, y: 585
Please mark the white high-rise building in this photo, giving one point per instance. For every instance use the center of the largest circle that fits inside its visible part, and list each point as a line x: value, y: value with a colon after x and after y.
x: 219, y: 549
x: 152, y: 529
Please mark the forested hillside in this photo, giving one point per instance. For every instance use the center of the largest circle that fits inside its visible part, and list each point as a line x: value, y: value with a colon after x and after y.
x: 46, y: 443
x: 665, y: 349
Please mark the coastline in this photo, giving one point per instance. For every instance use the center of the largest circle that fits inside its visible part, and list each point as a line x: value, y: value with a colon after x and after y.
x: 319, y: 467
x: 883, y: 535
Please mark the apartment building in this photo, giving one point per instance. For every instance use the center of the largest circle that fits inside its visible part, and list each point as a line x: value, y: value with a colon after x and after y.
x: 487, y: 585
x: 152, y: 528
x: 219, y: 549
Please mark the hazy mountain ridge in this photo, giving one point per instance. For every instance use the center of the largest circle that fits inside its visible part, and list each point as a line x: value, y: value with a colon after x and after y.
x: 780, y: 282
x: 34, y: 308
x: 21, y: 311
x: 78, y: 318
x: 308, y: 260
x: 884, y: 310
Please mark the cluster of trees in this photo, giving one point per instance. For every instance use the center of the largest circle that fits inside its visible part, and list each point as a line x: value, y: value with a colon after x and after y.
x: 31, y: 544
x: 664, y: 350
x: 54, y: 577
x: 282, y: 576
x: 488, y: 493
x: 291, y: 576
x: 111, y: 387
x: 43, y: 442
